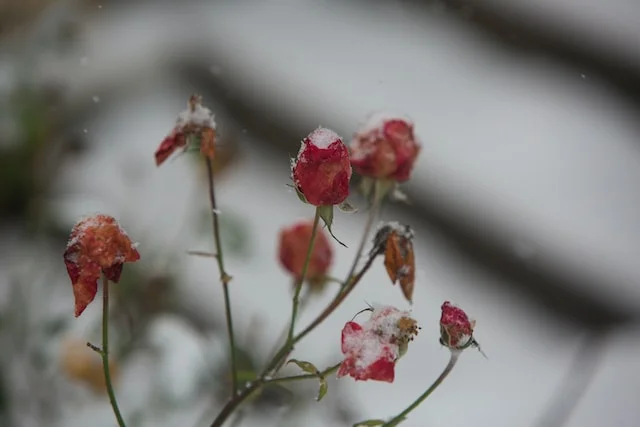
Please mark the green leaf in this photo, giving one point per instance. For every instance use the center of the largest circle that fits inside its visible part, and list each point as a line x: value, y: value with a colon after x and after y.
x: 326, y: 213
x: 395, y: 423
x: 369, y: 423
x: 299, y: 193
x: 347, y: 208
x: 310, y: 368
x: 324, y: 387
x: 379, y: 422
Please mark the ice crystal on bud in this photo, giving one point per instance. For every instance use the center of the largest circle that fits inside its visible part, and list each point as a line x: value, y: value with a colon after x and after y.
x: 456, y: 329
x: 196, y: 121
x: 292, y: 251
x: 385, y: 147
x: 96, y: 244
x: 321, y: 171
x: 396, y: 242
x: 372, y: 349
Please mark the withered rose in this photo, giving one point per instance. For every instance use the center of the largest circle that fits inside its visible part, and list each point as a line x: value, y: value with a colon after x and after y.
x: 197, y: 121
x: 96, y: 244
x: 372, y: 349
x: 292, y: 251
x: 385, y: 147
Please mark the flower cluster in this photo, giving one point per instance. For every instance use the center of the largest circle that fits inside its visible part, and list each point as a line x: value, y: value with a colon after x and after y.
x: 383, y: 152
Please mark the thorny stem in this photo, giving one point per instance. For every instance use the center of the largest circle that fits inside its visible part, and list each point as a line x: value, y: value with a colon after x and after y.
x: 225, y: 278
x: 447, y: 370
x: 349, y: 284
x: 296, y: 295
x: 104, y: 352
x: 303, y: 303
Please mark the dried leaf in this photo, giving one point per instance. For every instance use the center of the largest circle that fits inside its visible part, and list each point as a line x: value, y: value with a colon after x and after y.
x: 399, y: 261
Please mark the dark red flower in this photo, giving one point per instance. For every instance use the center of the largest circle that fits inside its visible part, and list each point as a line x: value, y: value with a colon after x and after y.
x: 456, y: 330
x: 293, y: 245
x: 197, y: 121
x: 372, y: 349
x: 321, y: 171
x: 385, y: 147
x: 96, y: 244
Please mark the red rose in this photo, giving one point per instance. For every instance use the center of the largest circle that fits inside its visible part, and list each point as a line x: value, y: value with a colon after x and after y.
x: 456, y: 330
x: 371, y: 350
x: 385, y: 147
x: 321, y: 171
x: 97, y: 244
x: 294, y: 242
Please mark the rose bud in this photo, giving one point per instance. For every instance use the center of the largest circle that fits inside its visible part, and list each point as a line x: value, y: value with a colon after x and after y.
x: 372, y: 349
x: 197, y: 121
x: 293, y: 246
x: 321, y: 171
x: 97, y: 244
x: 396, y: 242
x: 385, y: 147
x: 456, y: 330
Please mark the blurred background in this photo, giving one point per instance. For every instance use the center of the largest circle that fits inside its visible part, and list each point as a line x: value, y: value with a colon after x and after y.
x: 525, y: 201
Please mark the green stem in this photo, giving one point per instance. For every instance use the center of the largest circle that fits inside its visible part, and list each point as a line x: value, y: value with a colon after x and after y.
x: 402, y: 415
x: 225, y: 279
x: 324, y: 373
x: 303, y: 276
x: 349, y: 284
x: 284, y: 334
x: 104, y: 352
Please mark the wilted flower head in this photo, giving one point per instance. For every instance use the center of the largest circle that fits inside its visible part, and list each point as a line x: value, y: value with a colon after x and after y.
x: 456, y: 330
x: 197, y: 121
x: 396, y: 242
x: 97, y: 244
x: 321, y: 171
x: 293, y: 245
x: 385, y: 147
x: 372, y: 349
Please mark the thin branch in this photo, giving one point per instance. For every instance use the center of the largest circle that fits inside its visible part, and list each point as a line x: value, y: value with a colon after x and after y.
x: 224, y: 278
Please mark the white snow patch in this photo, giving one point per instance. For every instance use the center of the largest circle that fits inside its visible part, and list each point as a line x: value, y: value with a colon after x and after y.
x: 323, y: 137
x: 200, y: 116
